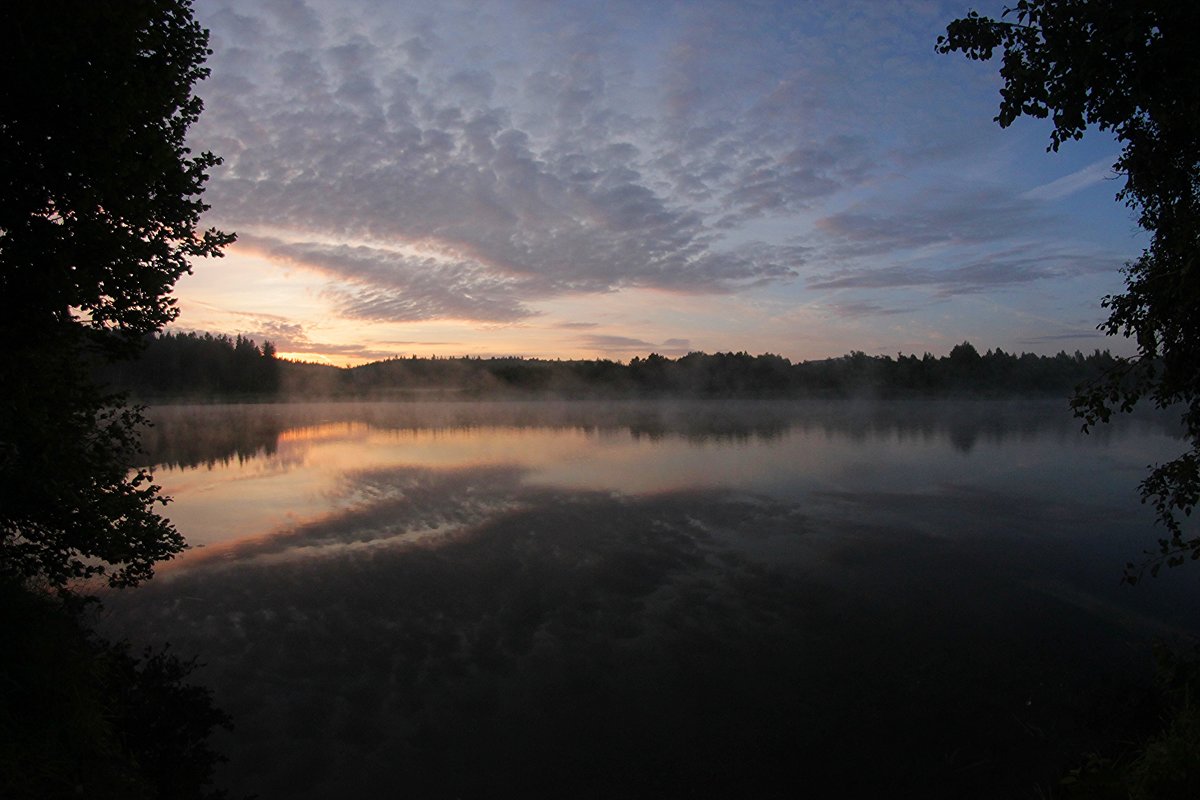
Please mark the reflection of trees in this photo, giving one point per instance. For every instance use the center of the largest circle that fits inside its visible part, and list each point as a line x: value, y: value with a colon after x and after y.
x: 961, y: 423
x: 190, y: 436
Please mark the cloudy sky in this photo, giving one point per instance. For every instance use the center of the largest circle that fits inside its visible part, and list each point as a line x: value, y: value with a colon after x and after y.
x: 607, y: 179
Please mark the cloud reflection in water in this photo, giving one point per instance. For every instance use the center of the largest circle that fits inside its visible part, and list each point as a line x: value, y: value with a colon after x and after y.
x: 482, y: 601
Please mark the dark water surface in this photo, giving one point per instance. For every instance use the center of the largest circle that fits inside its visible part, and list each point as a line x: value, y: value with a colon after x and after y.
x: 653, y: 600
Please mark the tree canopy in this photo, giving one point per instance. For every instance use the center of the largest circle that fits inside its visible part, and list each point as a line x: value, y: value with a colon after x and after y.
x: 176, y: 366
x: 99, y: 217
x: 1131, y: 69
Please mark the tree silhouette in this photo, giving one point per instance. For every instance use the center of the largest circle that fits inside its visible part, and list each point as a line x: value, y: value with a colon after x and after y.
x: 99, y: 212
x: 1128, y: 68
x: 99, y: 216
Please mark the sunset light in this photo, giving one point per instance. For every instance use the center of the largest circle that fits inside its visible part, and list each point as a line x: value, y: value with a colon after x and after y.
x: 584, y: 180
x: 599, y: 399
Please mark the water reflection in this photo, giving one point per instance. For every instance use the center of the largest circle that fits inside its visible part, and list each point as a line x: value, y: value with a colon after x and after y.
x: 655, y: 600
x: 196, y: 435
x: 250, y: 471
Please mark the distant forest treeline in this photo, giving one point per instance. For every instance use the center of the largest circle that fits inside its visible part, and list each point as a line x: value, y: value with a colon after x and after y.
x: 193, y: 366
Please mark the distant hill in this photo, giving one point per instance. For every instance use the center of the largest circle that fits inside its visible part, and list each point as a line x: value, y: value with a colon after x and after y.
x: 189, y: 366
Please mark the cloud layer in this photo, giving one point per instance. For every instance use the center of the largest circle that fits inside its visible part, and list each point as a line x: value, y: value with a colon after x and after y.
x: 470, y: 162
x: 435, y: 183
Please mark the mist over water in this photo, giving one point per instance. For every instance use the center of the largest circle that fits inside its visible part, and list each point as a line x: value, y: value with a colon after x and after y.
x: 643, y: 599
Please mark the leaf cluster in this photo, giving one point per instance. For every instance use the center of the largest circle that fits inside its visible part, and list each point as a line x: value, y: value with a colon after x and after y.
x: 1131, y: 69
x: 84, y: 717
x: 99, y: 194
x: 100, y: 205
x: 1163, y: 763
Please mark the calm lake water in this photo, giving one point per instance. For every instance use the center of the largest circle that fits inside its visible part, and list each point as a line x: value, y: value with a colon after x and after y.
x: 658, y: 600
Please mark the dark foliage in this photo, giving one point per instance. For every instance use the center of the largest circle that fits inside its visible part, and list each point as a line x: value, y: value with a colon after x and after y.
x: 99, y: 208
x: 81, y: 717
x: 1162, y: 762
x: 1128, y: 68
x: 190, y: 366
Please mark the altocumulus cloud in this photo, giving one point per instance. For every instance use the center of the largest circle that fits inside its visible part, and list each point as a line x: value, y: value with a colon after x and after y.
x: 465, y: 161
x: 377, y: 131
x: 431, y: 172
x: 1011, y: 267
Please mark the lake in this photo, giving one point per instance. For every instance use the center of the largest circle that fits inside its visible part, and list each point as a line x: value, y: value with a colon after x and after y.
x: 646, y: 599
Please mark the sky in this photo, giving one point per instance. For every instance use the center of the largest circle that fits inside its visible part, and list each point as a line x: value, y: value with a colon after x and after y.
x: 610, y: 179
